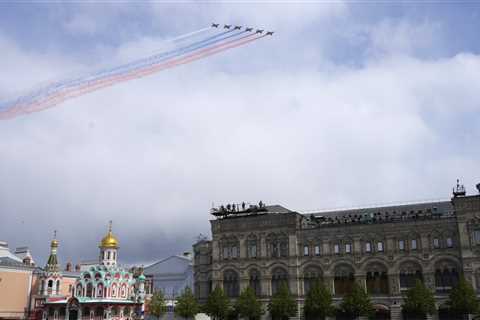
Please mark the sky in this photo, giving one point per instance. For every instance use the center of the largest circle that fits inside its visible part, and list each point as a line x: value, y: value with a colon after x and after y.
x: 348, y: 104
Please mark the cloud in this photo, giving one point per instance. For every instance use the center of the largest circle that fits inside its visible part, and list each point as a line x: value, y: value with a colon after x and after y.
x: 279, y: 125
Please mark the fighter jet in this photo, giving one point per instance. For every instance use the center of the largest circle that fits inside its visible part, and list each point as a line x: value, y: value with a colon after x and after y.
x: 259, y: 31
x: 215, y: 25
x: 237, y: 28
x: 227, y: 26
x: 270, y: 33
x: 248, y: 29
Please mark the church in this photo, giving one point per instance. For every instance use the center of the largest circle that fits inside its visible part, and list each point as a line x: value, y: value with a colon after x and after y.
x: 103, y: 291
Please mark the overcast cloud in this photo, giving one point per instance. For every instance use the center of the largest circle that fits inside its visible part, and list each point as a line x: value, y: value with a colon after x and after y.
x: 346, y: 105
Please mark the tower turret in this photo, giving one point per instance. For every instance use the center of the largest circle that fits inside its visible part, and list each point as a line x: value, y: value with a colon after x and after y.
x: 108, y: 248
x: 51, y: 277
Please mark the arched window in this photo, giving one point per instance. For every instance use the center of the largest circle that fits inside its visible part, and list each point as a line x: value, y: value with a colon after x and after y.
x: 100, y: 290
x: 255, y: 282
x: 279, y: 277
x: 410, y: 272
x: 114, y: 290
x: 446, y: 276
x: 57, y: 288
x: 115, y: 311
x: 89, y: 292
x: 50, y: 286
x: 377, y: 279
x: 230, y: 248
x: 344, y: 279
x: 310, y: 277
x: 86, y: 312
x: 78, y: 291
x: 277, y: 245
x: 231, y: 286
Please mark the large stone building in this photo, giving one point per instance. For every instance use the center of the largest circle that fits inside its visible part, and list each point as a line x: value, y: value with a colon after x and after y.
x: 384, y: 249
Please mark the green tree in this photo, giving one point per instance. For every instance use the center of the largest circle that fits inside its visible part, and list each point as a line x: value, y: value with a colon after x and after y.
x: 319, y: 302
x: 247, y: 305
x: 157, y: 306
x: 187, y: 306
x: 217, y: 305
x: 357, y: 302
x: 419, y: 301
x: 463, y: 299
x: 282, y: 306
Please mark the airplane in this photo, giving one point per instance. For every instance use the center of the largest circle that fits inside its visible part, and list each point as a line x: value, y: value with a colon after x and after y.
x: 215, y: 25
x: 237, y: 28
x: 227, y: 26
x: 248, y: 29
x: 259, y: 31
x: 270, y: 33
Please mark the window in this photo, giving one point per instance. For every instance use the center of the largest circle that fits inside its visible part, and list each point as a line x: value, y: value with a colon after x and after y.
x: 108, y: 255
x: 114, y: 255
x: 225, y: 252
x: 476, y: 236
x: 279, y: 277
x: 255, y: 282
x: 336, y: 249
x: 436, y: 243
x: 348, y: 248
x: 449, y: 243
x: 414, y: 244
x: 231, y: 284
x: 317, y: 250
x: 305, y: 251
x: 380, y: 246
x: 252, y: 247
x: 234, y: 252
x: 368, y: 247
x: 401, y: 245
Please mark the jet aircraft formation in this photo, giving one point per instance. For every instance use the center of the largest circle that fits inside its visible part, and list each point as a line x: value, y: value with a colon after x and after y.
x: 247, y: 29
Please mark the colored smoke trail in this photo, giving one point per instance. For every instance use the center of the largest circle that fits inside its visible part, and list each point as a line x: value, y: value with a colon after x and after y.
x: 62, y: 91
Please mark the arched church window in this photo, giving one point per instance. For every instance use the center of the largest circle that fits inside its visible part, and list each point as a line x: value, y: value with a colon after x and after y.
x: 252, y: 246
x: 100, y: 290
x: 89, y: 292
x: 108, y: 255
x: 78, y: 291
x: 57, y: 288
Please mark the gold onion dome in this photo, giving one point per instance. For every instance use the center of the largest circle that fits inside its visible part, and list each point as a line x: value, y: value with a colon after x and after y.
x: 109, y: 241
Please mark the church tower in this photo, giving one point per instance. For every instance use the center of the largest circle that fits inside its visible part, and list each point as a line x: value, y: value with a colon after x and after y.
x: 51, y: 277
x: 108, y: 249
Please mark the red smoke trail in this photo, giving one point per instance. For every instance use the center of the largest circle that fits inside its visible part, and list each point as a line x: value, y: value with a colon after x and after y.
x: 58, y: 98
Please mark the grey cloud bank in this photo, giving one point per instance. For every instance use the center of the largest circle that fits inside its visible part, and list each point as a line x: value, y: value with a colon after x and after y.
x: 298, y: 120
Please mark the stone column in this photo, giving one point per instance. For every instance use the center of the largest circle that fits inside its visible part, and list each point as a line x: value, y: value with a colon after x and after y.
x: 243, y: 248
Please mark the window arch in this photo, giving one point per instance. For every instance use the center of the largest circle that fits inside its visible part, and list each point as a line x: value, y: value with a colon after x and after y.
x: 230, y: 248
x: 343, y: 279
x: 446, y: 276
x: 279, y: 277
x: 254, y: 282
x: 377, y: 279
x: 311, y: 275
x: 410, y: 272
x: 231, y: 283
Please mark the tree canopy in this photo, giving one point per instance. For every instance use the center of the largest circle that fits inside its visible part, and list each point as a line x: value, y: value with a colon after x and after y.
x: 419, y: 300
x: 217, y: 305
x: 248, y: 306
x: 357, y: 302
x: 157, y: 306
x: 318, y: 302
x: 463, y: 299
x: 187, y: 306
x: 282, y: 306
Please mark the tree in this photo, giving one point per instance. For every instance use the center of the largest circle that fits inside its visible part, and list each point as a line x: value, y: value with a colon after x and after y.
x: 217, y: 305
x: 419, y: 301
x: 282, y: 306
x: 156, y: 306
x: 318, y: 303
x: 357, y: 302
x: 247, y: 305
x: 187, y: 306
x: 463, y: 299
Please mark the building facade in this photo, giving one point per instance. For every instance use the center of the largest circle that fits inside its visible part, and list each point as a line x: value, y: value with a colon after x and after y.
x: 384, y: 249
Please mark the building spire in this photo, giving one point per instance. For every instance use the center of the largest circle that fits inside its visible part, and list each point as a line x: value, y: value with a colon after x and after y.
x: 52, y: 262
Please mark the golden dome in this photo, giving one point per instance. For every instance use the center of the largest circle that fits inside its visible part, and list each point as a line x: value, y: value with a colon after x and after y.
x: 54, y: 243
x: 109, y: 241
